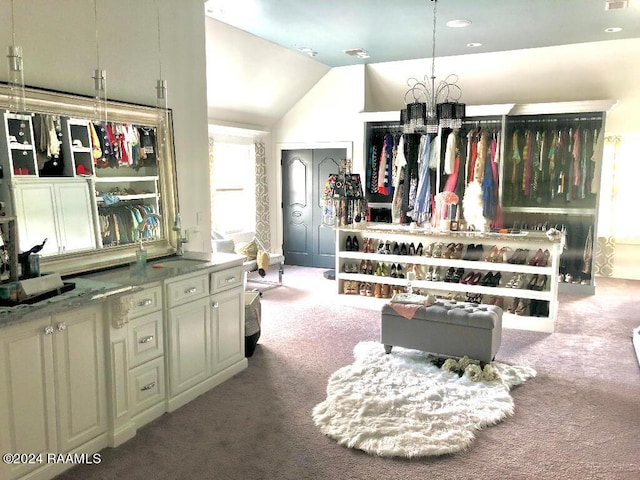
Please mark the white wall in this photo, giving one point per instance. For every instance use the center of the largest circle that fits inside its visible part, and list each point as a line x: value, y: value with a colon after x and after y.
x: 59, y: 47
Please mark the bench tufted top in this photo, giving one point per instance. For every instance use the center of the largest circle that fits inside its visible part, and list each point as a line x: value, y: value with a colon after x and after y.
x: 454, y: 312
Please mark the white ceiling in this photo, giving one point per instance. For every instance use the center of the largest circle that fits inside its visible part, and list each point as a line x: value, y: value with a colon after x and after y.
x: 402, y: 29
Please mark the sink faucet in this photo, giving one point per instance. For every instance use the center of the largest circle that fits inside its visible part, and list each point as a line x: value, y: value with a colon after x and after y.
x: 181, y: 239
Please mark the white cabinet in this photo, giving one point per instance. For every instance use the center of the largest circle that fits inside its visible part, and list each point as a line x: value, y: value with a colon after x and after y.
x: 52, y: 387
x: 227, y: 332
x: 59, y: 210
x: 379, y: 268
x: 189, y: 345
x: 205, y: 332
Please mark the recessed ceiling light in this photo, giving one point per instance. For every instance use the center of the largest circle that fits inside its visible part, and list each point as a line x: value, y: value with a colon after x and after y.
x: 458, y: 23
x: 474, y: 44
x: 616, y: 4
x: 308, y: 51
x: 357, y: 52
x: 613, y: 29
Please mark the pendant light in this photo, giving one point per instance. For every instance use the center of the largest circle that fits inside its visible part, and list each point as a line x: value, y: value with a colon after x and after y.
x: 99, y: 77
x: 17, y: 101
x: 161, y: 94
x: 432, y: 106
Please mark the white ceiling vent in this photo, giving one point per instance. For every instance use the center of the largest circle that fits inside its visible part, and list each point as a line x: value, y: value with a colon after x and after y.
x: 616, y: 4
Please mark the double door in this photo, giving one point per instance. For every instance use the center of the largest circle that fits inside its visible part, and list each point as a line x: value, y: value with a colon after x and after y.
x: 304, y: 173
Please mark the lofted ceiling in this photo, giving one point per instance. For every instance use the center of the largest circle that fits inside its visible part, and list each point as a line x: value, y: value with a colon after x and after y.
x: 403, y: 29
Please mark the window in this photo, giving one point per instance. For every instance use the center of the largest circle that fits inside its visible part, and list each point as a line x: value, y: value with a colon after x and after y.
x: 233, y: 187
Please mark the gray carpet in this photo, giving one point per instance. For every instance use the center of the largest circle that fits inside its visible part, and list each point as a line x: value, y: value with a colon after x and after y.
x: 578, y: 419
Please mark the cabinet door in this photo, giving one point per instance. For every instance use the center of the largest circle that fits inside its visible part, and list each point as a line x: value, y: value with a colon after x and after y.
x: 37, y: 219
x: 227, y: 319
x: 75, y: 216
x: 27, y: 406
x: 80, y: 376
x: 189, y: 345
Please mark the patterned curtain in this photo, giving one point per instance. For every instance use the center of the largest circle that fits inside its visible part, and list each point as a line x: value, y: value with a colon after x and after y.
x: 606, y: 241
x: 263, y: 223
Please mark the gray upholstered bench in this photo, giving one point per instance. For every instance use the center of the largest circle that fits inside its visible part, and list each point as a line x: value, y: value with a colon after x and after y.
x: 447, y: 328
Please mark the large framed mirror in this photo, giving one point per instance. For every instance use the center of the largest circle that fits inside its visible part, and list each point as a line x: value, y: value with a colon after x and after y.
x: 88, y: 184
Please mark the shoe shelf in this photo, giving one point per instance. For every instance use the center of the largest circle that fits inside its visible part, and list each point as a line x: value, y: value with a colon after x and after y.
x: 538, y: 300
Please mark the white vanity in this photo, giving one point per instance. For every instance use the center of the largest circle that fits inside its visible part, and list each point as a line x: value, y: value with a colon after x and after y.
x: 84, y: 371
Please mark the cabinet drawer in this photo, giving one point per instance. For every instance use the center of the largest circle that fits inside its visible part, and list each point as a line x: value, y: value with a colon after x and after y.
x: 145, y: 338
x: 225, y: 279
x: 186, y: 290
x: 147, y: 385
x: 146, y: 301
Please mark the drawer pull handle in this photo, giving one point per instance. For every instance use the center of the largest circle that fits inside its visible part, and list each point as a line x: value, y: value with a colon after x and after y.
x: 146, y: 303
x: 48, y: 330
x: 148, y: 387
x: 190, y: 290
x: 146, y: 339
x: 62, y: 327
x: 230, y: 279
x: 214, y: 304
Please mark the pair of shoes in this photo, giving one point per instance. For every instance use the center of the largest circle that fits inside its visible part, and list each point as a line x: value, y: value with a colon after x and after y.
x: 367, y: 245
x: 491, y: 279
x: 438, y: 250
x: 454, y: 275
x: 471, y: 278
x: 538, y: 282
x: 385, y: 291
x: 352, y: 244
x: 539, y: 308
x: 433, y: 274
x: 494, y: 300
x: 541, y: 258
x: 492, y: 255
x: 517, y: 281
x: 350, y: 268
x: 474, y: 252
x: 350, y: 287
x: 396, y: 271
x: 519, y: 257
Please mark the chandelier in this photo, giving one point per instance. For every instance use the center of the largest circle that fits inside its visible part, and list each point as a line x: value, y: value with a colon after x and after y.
x: 430, y: 106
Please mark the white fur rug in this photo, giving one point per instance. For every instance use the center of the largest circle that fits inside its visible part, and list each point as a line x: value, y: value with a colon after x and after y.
x: 402, y: 405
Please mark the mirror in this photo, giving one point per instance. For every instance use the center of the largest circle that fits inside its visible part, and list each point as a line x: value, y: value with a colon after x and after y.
x: 87, y: 185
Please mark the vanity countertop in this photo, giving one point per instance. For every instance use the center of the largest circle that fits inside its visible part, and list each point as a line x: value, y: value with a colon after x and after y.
x: 116, y: 282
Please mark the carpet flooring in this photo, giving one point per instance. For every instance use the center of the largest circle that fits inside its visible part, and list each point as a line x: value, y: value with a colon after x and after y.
x: 579, y: 418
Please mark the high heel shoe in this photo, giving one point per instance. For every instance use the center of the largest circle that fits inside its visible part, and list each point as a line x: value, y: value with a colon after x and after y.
x: 523, y: 307
x: 532, y: 282
x: 419, y: 249
x: 448, y: 253
x: 369, y: 267
x: 428, y: 251
x: 545, y: 259
x: 412, y: 249
x: 457, y: 276
x: 348, y: 244
x: 449, y: 275
x: 486, y: 280
x: 399, y: 272
x: 495, y: 279
x: 475, y: 279
x: 394, y: 271
x: 467, y: 278
x: 541, y: 283
x: 435, y: 276
x: 491, y: 256
x: 363, y: 267
x: 438, y: 250
x: 502, y: 255
x: 536, y: 258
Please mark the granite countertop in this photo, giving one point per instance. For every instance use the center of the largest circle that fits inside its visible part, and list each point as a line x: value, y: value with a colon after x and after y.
x: 108, y: 284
